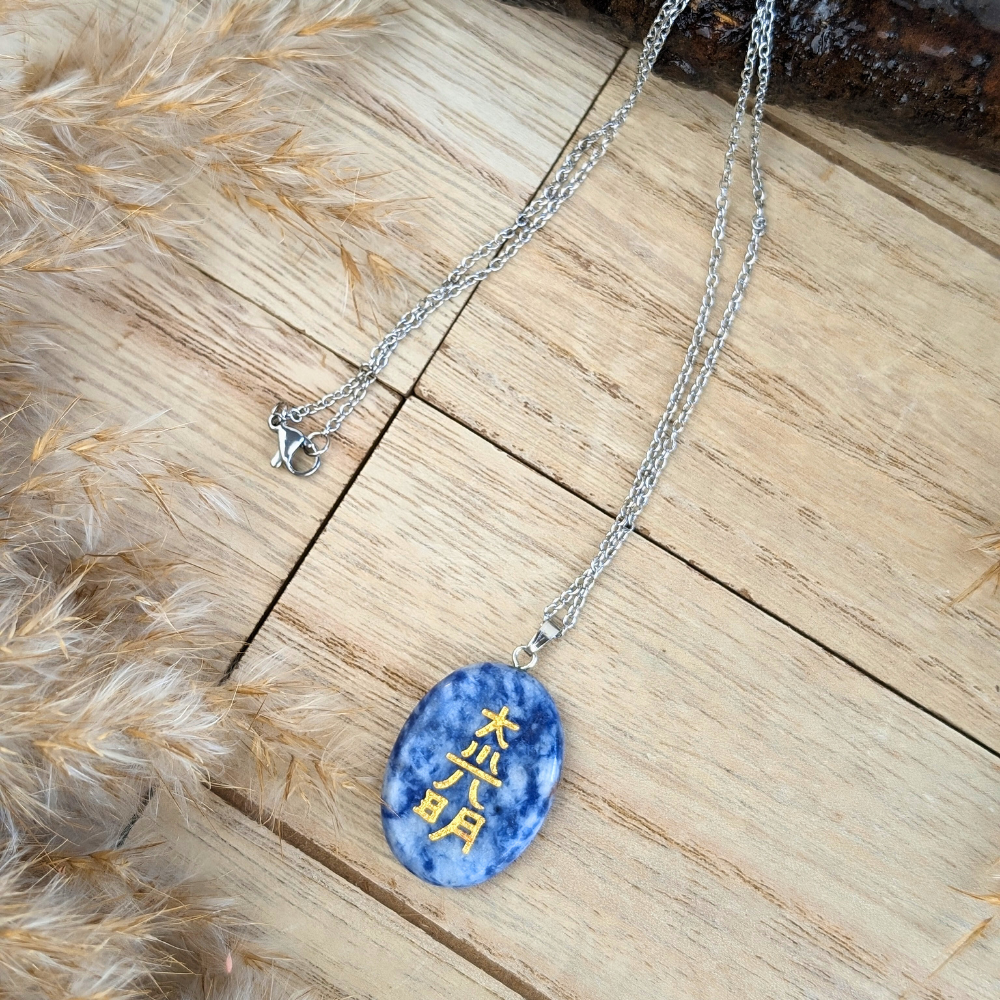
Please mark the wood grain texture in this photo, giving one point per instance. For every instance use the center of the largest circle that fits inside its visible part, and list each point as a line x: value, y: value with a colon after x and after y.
x: 844, y: 456
x: 167, y: 341
x: 335, y: 940
x: 741, y: 814
x: 462, y: 106
x: 958, y: 190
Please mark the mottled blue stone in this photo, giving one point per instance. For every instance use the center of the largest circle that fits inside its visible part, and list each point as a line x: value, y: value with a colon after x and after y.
x: 445, y: 722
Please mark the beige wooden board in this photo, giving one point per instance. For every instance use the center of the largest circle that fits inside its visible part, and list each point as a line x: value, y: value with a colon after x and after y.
x: 464, y: 105
x: 949, y: 187
x: 740, y: 814
x: 334, y: 939
x: 844, y: 456
x: 162, y: 339
x: 171, y: 342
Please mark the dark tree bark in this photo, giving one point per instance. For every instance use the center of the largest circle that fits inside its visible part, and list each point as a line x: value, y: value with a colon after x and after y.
x: 926, y: 72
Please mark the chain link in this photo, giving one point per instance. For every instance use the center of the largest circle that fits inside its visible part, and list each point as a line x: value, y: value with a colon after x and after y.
x: 561, y: 615
x: 497, y: 252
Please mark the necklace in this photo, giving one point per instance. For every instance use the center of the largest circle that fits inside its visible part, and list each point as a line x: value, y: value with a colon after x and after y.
x: 472, y: 773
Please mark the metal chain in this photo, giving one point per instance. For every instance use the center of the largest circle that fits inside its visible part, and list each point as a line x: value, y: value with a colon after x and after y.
x: 498, y: 251
x: 561, y: 615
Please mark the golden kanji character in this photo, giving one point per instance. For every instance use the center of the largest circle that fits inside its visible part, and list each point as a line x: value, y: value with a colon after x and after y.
x: 431, y: 806
x: 474, y: 794
x: 466, y: 826
x: 474, y: 771
x: 496, y: 724
x: 449, y: 781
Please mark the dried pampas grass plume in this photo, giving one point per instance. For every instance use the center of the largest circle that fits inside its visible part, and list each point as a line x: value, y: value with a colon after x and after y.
x: 107, y: 128
x: 124, y: 924
x: 110, y: 692
x: 110, y: 659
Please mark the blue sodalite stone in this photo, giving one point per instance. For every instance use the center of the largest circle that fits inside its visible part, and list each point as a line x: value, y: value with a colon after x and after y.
x: 470, y: 778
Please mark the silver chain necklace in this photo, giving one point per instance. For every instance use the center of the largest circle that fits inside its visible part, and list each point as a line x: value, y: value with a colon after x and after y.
x: 532, y: 724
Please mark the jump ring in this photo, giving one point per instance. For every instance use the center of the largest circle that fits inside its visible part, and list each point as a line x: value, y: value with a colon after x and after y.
x: 277, y: 416
x: 523, y: 651
x: 313, y: 448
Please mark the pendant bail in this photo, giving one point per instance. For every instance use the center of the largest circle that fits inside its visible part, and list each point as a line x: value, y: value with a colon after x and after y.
x: 547, y: 631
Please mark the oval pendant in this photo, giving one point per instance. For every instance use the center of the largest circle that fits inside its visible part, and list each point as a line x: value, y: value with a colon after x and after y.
x: 471, y: 775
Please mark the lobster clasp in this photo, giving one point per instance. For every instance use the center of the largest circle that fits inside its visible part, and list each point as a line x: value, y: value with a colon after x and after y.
x: 291, y: 441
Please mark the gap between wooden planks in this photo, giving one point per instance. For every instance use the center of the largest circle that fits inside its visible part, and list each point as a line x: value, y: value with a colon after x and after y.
x: 951, y: 192
x: 203, y: 351
x: 740, y: 813
x: 843, y: 457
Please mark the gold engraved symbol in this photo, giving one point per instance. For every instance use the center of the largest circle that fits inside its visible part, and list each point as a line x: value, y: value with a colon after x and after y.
x: 497, y: 721
x: 431, y: 807
x: 466, y: 824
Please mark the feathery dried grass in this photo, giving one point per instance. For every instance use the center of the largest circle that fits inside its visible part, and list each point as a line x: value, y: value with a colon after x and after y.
x: 109, y: 660
x: 109, y: 657
x: 121, y: 925
x: 109, y: 688
x: 990, y: 544
x: 107, y: 126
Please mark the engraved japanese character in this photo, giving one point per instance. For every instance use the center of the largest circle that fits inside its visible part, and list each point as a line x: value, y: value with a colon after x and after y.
x: 467, y: 823
x: 431, y: 807
x: 466, y: 826
x: 496, y: 725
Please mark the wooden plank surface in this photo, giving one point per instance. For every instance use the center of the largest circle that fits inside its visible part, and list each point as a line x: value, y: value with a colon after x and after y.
x: 741, y: 814
x: 963, y: 196
x: 335, y: 940
x: 163, y: 339
x: 461, y: 106
x: 844, y: 456
x: 168, y: 341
